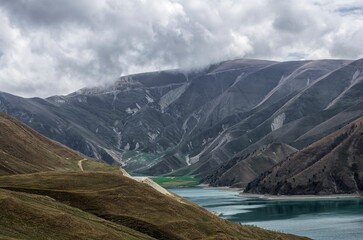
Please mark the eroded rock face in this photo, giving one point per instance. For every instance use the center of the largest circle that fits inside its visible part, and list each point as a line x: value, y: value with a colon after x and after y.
x: 332, y: 165
x: 239, y: 171
x: 165, y: 121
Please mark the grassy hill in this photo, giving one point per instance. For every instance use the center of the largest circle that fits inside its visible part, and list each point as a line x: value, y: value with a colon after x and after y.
x: 134, y: 205
x: 22, y: 150
x: 28, y: 216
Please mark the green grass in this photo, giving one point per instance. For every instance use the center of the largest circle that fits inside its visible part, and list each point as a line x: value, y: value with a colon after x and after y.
x: 183, y: 181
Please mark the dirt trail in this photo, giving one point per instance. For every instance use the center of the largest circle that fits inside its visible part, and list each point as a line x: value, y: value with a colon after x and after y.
x: 80, y: 163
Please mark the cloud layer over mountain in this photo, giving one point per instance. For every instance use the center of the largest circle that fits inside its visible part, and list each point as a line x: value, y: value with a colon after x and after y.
x: 55, y: 47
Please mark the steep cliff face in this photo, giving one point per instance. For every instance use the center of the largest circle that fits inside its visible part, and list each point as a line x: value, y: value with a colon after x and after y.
x: 332, y: 165
x: 192, y: 123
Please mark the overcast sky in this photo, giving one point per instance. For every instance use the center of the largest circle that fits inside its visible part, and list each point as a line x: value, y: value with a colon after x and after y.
x: 52, y: 47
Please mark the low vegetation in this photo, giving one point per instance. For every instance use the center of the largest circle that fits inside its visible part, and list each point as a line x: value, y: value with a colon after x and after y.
x: 29, y: 216
x: 183, y: 181
x: 129, y: 204
x: 23, y: 150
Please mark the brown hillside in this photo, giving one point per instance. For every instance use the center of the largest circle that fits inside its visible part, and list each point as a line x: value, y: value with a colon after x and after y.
x: 22, y: 150
x: 28, y: 216
x: 332, y: 165
x: 121, y: 200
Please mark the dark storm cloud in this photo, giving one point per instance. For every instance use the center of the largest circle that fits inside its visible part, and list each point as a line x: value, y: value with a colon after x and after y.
x: 55, y: 47
x: 35, y: 13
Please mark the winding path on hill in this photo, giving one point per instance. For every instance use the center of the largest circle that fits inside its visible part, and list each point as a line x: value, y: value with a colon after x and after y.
x: 80, y: 163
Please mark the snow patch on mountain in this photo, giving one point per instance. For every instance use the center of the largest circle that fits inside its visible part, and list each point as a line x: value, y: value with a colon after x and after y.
x: 171, y: 96
x: 131, y: 110
x: 187, y: 160
x: 278, y: 121
x: 127, y: 147
x: 60, y: 100
x: 194, y: 159
x: 152, y: 136
x: 149, y: 99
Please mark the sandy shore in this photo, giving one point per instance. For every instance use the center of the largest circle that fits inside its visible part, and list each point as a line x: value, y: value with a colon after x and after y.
x: 301, y: 197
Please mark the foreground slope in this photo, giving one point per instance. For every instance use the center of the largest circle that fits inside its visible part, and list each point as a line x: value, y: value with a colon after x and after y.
x: 22, y: 150
x: 130, y: 204
x: 28, y: 216
x: 332, y: 165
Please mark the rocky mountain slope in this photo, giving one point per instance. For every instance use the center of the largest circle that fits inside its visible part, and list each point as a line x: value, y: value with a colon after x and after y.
x: 241, y: 170
x: 332, y: 165
x: 58, y: 199
x: 191, y: 123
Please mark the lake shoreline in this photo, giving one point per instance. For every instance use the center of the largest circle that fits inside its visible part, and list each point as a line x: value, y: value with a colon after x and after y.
x: 333, y: 217
x: 301, y: 197
x: 284, y: 197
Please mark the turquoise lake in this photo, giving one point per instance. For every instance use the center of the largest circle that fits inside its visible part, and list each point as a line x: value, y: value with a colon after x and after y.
x: 317, y: 219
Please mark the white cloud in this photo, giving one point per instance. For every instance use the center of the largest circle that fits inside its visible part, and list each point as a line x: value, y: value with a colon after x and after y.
x: 55, y: 47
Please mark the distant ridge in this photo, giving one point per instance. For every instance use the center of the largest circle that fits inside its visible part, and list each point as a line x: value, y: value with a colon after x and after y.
x: 332, y: 165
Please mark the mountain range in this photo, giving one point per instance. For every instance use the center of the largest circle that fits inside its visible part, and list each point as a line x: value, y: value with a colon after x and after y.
x: 193, y: 122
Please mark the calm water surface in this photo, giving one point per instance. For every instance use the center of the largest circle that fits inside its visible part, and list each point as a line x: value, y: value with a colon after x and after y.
x: 317, y: 219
